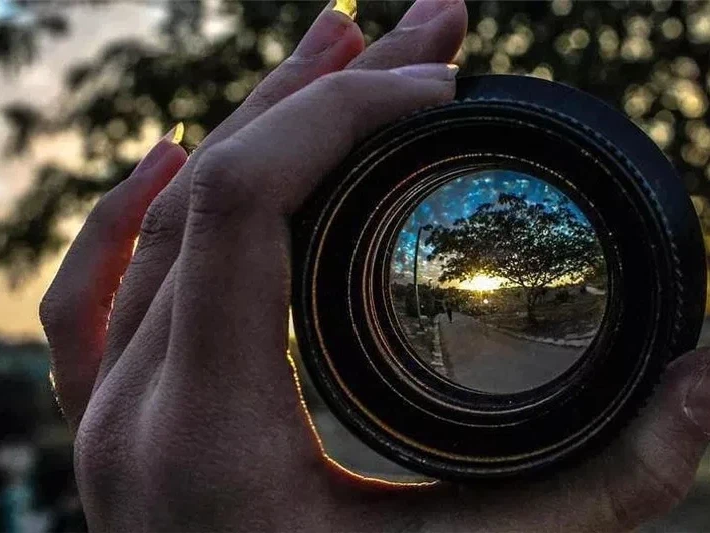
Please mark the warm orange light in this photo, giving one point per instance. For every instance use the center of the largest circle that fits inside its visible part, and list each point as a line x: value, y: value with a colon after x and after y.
x: 480, y: 282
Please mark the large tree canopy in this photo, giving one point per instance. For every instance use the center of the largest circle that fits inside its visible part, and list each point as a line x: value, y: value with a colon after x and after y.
x: 530, y: 245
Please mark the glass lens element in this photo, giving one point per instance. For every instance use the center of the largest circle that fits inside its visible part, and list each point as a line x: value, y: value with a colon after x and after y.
x: 498, y: 281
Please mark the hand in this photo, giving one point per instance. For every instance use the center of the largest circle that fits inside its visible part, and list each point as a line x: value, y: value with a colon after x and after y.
x: 184, y: 407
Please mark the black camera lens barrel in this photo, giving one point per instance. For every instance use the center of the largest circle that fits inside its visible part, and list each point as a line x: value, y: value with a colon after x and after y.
x: 348, y: 335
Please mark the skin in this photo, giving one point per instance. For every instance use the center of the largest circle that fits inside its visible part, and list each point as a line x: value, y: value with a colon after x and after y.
x: 170, y: 363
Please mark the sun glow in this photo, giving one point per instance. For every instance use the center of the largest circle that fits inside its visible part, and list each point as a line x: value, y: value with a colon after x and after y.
x: 480, y: 282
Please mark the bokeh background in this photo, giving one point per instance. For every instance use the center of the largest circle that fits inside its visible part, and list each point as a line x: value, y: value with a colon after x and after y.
x: 86, y: 88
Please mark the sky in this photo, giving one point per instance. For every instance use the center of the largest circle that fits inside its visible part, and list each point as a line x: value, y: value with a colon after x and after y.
x: 41, y: 84
x: 459, y: 198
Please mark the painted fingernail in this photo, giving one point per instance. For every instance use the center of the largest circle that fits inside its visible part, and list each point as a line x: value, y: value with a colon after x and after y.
x: 432, y: 71
x: 325, y: 31
x: 176, y: 133
x: 697, y: 402
x: 423, y: 11
x: 347, y: 7
x: 174, y: 136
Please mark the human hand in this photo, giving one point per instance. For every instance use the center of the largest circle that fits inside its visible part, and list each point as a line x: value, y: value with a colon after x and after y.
x: 186, y: 412
x: 228, y: 387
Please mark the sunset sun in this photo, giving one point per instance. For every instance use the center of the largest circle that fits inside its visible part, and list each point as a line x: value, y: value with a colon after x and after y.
x: 481, y: 282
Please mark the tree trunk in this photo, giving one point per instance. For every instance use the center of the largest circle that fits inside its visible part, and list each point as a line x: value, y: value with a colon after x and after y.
x: 531, y: 300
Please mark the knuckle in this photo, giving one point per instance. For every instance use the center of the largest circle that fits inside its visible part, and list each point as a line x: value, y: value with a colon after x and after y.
x: 54, y: 312
x: 336, y: 85
x: 162, y: 223
x: 47, y: 309
x: 264, y: 96
x: 284, y: 80
x: 167, y: 211
x: 101, y: 449
x: 343, y: 91
x: 108, y: 217
x: 154, y: 219
x: 221, y: 189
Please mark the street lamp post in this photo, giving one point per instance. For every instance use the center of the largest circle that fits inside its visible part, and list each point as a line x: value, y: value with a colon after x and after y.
x: 426, y: 227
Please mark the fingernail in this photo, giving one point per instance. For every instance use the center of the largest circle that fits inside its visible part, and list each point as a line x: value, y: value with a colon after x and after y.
x: 697, y: 402
x: 174, y: 136
x: 432, y: 71
x: 325, y: 31
x: 347, y: 7
x: 423, y: 11
x: 176, y: 133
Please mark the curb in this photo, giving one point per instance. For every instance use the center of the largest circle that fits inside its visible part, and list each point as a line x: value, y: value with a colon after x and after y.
x: 437, y: 359
x: 578, y: 342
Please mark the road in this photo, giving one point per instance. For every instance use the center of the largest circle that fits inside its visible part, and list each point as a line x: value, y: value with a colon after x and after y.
x: 486, y: 359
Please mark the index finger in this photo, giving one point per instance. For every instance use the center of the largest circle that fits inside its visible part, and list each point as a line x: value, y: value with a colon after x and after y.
x: 331, y: 42
x: 232, y: 288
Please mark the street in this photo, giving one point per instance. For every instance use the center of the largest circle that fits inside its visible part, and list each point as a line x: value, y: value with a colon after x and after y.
x: 486, y: 359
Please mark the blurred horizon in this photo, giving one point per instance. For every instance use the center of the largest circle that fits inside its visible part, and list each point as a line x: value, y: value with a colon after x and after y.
x: 663, y: 93
x: 41, y: 83
x: 652, y: 47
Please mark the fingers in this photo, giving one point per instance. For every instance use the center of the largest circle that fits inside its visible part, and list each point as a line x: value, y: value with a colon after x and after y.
x: 430, y: 32
x: 331, y: 42
x: 292, y: 145
x: 229, y: 326
x: 75, y: 309
x: 657, y: 460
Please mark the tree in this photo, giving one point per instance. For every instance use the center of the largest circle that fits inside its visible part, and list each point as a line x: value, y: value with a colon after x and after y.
x: 647, y: 58
x: 530, y: 245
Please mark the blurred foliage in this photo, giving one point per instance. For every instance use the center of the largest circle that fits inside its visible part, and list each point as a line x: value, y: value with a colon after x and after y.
x: 21, y: 27
x: 649, y: 59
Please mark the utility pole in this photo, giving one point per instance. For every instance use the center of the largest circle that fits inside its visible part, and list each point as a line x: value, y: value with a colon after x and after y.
x: 427, y: 227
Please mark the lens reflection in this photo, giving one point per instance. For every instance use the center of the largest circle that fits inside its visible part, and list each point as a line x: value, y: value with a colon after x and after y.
x: 498, y: 281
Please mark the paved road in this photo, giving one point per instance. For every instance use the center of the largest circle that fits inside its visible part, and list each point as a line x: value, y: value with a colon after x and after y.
x: 483, y: 358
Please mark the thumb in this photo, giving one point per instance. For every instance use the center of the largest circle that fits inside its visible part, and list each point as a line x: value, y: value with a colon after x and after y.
x: 660, y: 454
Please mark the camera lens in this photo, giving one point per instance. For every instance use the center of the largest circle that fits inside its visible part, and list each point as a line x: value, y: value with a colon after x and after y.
x: 493, y: 287
x: 498, y: 281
